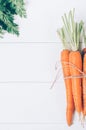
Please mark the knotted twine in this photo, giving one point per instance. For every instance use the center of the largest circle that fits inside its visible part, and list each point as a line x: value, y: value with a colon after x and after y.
x: 59, y: 68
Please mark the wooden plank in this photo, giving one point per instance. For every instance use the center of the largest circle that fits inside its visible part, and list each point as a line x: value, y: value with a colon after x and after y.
x: 31, y: 103
x: 40, y: 126
x: 28, y: 62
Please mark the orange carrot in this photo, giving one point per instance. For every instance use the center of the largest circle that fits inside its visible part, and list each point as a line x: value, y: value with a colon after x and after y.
x: 69, y: 96
x: 76, y: 59
x: 71, y: 35
x: 84, y: 81
x: 84, y: 50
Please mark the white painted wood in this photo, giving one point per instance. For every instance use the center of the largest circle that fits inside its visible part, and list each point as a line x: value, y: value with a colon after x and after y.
x: 33, y: 103
x: 27, y: 69
x: 28, y: 61
x: 40, y: 126
x: 44, y: 17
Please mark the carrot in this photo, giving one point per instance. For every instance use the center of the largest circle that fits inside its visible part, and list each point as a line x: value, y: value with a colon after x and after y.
x: 84, y: 82
x: 76, y: 59
x: 68, y: 85
x: 71, y: 36
x: 83, y: 52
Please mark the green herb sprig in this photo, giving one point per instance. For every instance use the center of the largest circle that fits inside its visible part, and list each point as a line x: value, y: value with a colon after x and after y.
x: 8, y: 10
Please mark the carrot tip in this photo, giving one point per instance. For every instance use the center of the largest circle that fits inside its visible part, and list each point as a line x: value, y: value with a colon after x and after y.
x: 79, y: 116
x: 81, y: 119
x: 82, y: 123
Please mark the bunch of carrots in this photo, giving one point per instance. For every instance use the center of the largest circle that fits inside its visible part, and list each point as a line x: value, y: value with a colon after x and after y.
x: 73, y: 59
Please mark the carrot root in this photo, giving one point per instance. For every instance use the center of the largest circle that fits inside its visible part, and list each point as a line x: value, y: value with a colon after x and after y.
x: 69, y: 95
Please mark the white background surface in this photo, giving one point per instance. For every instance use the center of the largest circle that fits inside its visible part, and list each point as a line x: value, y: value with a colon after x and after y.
x: 27, y: 69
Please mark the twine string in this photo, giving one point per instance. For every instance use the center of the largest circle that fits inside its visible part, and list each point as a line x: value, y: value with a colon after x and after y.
x: 59, y: 68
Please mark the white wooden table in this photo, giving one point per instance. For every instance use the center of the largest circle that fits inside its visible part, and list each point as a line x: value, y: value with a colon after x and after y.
x: 27, y: 70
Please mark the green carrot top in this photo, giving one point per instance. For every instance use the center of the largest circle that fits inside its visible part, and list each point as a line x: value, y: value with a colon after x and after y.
x: 71, y: 32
